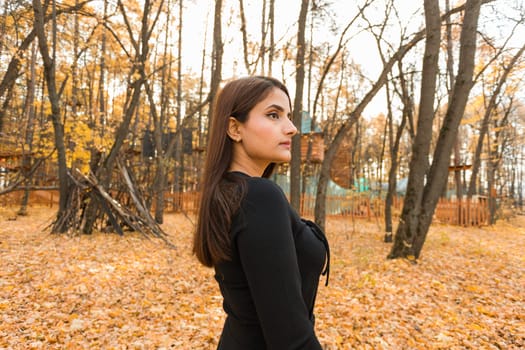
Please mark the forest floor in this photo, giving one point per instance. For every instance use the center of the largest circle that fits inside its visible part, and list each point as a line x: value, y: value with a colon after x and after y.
x: 103, y: 291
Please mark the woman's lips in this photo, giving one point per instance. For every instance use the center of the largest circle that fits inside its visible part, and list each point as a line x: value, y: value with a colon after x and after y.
x: 286, y: 144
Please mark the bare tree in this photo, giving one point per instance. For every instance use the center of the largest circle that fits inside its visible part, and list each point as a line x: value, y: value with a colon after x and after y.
x: 102, y: 117
x: 244, y: 32
x: 394, y: 137
x: 421, y: 198
x: 295, y: 164
x: 159, y: 121
x: 13, y: 68
x: 49, y: 60
x: 3, y: 27
x: 30, y: 116
x: 394, y: 145
x: 421, y: 147
x: 262, y: 47
x: 271, y: 28
x: 218, y: 50
x: 498, y: 145
x: 486, y: 118
x: 179, y: 154
x: 137, y: 78
x: 346, y: 126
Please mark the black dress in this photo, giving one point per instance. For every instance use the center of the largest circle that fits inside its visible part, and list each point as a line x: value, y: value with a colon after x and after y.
x: 269, y: 286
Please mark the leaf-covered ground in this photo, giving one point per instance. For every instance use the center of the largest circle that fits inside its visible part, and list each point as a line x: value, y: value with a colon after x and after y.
x: 110, y: 292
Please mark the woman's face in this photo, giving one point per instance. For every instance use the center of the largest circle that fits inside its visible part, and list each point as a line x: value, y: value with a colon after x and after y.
x: 265, y: 137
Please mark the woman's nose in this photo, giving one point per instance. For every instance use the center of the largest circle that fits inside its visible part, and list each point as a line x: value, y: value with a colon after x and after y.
x: 290, y: 128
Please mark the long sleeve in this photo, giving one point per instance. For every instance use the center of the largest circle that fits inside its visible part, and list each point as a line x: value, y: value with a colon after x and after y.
x: 268, y: 257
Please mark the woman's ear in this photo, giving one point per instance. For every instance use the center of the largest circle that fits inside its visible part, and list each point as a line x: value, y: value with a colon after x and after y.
x: 233, y: 129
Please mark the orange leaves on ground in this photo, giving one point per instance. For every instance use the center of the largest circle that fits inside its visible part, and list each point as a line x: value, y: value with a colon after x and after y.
x: 106, y: 291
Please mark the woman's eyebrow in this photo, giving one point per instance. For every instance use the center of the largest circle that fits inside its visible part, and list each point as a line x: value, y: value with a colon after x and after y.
x: 276, y: 106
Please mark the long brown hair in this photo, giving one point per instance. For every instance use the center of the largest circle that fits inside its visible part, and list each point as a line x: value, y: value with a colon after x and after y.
x: 222, y: 192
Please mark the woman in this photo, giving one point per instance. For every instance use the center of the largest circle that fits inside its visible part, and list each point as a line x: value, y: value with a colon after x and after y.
x: 267, y: 260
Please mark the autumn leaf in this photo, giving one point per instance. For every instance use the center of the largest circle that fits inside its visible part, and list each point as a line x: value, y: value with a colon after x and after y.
x: 106, y: 291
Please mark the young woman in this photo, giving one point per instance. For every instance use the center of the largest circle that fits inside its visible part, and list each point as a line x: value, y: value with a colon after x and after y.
x: 267, y: 260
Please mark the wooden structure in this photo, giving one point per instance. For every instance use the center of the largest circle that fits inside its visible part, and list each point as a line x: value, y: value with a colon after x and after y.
x: 359, y: 206
x: 10, y: 159
x: 473, y: 212
x: 47, y: 198
x: 341, y: 170
x: 317, y: 139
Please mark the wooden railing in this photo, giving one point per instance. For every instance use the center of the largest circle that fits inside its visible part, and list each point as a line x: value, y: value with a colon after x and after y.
x: 37, y: 197
x: 182, y: 201
x: 359, y: 206
x: 465, y: 213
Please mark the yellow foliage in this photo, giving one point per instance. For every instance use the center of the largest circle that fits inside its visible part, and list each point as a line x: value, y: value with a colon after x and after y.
x: 79, y: 136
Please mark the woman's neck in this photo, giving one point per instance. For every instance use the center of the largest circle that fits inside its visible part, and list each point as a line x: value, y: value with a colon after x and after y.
x: 252, y: 170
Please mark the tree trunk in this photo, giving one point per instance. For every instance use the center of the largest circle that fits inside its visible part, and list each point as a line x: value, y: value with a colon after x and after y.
x: 496, y: 147
x: 102, y: 79
x: 414, y: 225
x: 12, y: 71
x: 58, y: 127
x: 218, y: 49
x: 271, y: 25
x: 29, y: 111
x: 457, y: 154
x: 491, y: 169
x: 159, y: 120
x: 295, y: 164
x: 407, y: 227
x: 392, y: 172
x: 486, y: 118
x: 394, y: 151
x: 134, y: 90
x: 91, y: 210
x: 200, y: 132
x: 74, y: 67
x: 324, y: 176
x: 136, y: 81
x: 320, y: 86
x: 262, y: 49
x: 179, y: 154
x: 3, y: 27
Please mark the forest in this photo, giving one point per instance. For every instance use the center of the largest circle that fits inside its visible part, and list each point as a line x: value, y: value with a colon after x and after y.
x: 109, y: 102
x: 405, y: 110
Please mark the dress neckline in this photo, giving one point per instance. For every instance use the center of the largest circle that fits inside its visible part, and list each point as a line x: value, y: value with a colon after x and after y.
x: 237, y: 172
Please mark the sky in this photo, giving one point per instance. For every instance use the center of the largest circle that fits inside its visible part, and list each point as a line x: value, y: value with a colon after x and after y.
x: 199, y: 18
x: 200, y: 13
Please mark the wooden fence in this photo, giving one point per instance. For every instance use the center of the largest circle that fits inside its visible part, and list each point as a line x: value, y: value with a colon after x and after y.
x: 37, y: 197
x: 464, y: 213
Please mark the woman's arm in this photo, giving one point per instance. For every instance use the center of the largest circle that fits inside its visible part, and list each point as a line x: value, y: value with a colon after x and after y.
x: 268, y: 256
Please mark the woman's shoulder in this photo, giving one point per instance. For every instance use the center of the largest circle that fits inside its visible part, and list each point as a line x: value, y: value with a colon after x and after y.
x: 262, y: 188
x: 263, y: 199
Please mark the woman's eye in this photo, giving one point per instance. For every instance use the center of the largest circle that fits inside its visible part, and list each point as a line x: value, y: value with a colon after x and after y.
x: 273, y: 115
